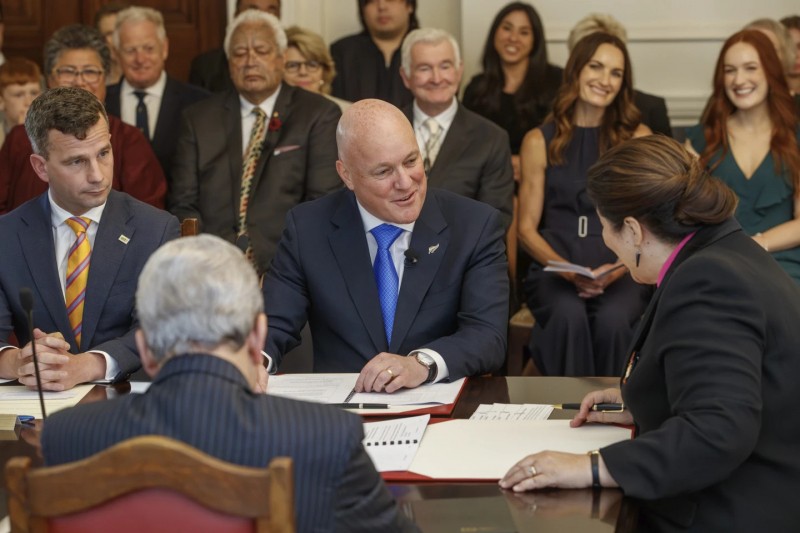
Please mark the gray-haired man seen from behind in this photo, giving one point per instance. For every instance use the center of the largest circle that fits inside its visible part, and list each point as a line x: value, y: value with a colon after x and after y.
x: 202, y: 330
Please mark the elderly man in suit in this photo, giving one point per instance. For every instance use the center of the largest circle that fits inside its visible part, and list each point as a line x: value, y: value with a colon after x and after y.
x: 246, y: 157
x: 210, y: 69
x: 79, y: 247
x: 203, y: 349
x: 147, y: 97
x: 462, y: 151
x: 404, y: 284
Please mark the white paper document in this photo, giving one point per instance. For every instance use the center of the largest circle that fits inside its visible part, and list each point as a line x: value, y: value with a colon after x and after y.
x: 486, y: 449
x: 512, y: 411
x: 392, y: 444
x: 336, y: 388
x: 19, y: 400
x: 562, y: 266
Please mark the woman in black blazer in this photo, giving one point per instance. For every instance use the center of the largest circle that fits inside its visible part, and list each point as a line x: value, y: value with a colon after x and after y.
x: 711, y: 378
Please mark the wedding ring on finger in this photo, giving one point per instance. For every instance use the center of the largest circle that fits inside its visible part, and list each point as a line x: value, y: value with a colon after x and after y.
x: 532, y: 471
x: 391, y: 374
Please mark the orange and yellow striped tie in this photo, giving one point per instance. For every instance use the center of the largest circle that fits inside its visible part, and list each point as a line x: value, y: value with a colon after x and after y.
x: 77, y: 274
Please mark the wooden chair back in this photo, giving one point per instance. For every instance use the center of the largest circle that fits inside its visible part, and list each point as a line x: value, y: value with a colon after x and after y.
x: 190, y: 227
x: 153, y: 484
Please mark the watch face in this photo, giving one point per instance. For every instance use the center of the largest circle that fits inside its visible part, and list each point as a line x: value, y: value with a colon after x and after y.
x: 425, y: 359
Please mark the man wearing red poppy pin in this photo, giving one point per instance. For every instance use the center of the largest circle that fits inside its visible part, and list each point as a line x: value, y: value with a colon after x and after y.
x: 247, y: 156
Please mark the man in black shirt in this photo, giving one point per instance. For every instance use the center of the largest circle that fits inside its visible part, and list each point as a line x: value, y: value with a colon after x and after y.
x: 368, y: 63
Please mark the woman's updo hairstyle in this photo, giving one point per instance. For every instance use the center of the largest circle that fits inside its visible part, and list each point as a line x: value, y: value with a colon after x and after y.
x: 658, y: 182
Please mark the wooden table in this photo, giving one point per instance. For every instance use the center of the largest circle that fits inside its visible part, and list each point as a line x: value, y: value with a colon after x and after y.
x: 471, y: 507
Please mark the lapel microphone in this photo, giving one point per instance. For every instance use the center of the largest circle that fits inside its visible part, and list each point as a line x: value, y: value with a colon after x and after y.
x: 411, y: 257
x: 26, y: 301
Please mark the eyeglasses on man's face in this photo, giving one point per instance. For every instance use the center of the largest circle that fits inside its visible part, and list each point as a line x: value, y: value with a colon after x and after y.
x: 69, y: 74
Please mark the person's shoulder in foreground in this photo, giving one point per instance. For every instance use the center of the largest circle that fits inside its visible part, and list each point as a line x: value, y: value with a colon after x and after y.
x: 202, y: 347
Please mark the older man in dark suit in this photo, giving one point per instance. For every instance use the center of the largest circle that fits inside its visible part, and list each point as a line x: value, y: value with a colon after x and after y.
x: 246, y: 157
x: 203, y: 349
x: 147, y: 97
x: 79, y: 247
x: 404, y: 284
x: 462, y: 151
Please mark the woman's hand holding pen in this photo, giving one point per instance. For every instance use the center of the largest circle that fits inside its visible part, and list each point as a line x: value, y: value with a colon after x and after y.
x: 601, y: 396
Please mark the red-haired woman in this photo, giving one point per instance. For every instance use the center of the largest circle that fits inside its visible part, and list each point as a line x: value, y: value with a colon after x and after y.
x: 583, y: 326
x: 748, y: 137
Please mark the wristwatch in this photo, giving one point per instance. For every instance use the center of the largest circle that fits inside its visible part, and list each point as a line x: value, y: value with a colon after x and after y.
x: 428, y: 362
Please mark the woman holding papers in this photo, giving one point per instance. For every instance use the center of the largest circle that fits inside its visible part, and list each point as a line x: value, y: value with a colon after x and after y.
x: 710, y: 383
x: 583, y: 325
x: 748, y: 137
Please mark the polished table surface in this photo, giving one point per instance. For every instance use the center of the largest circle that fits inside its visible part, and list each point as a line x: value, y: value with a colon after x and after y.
x: 471, y: 507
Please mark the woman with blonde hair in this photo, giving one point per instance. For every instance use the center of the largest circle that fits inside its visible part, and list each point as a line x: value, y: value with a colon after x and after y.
x: 309, y: 65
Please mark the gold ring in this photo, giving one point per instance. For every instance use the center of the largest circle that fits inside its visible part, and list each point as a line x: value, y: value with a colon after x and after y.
x: 389, y: 371
x: 533, y: 471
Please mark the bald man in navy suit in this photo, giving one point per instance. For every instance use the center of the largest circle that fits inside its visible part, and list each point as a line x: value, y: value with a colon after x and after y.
x: 448, y: 267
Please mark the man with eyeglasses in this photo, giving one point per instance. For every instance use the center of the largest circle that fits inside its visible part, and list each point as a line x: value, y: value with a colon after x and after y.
x: 247, y: 156
x: 77, y: 56
x: 147, y: 97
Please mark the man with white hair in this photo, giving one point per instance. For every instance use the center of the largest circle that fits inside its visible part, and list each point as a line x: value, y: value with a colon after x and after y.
x: 246, y: 157
x: 202, y: 330
x: 147, y: 97
x: 462, y: 151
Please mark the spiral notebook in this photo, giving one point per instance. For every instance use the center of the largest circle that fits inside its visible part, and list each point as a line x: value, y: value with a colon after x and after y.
x: 392, y: 444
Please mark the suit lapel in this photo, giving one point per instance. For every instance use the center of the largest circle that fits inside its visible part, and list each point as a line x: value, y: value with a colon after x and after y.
x: 453, y: 144
x: 232, y: 117
x: 113, y: 100
x: 38, y: 250
x: 349, y: 245
x: 429, y: 241
x: 108, y: 254
x: 165, y: 128
x: 280, y: 113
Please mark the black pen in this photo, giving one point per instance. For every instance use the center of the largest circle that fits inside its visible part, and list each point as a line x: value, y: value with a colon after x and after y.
x: 361, y: 405
x: 600, y: 407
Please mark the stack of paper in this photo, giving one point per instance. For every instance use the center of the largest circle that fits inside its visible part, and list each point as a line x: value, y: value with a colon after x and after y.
x: 512, y: 411
x: 392, y: 444
x: 19, y: 400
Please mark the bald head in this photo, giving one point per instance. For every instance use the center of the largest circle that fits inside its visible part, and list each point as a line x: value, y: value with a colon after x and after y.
x: 379, y: 160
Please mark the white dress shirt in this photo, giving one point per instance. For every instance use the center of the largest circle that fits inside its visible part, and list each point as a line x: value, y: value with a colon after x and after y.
x: 397, y: 251
x: 152, y: 100
x: 445, y: 120
x: 249, y: 119
x: 64, y: 238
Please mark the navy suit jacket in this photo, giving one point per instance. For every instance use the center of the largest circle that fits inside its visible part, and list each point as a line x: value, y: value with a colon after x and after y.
x: 453, y: 299
x: 714, y: 393
x: 29, y: 260
x: 298, y: 163
x: 474, y: 161
x: 205, y: 401
x: 177, y: 96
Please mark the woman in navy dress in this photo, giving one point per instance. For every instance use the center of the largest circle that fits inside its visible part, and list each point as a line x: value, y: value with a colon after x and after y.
x: 583, y: 326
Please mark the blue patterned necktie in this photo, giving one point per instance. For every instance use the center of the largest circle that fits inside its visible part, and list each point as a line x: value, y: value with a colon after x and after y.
x: 142, y: 121
x: 385, y: 274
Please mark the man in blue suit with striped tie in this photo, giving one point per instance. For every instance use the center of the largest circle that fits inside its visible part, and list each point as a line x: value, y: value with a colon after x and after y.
x: 202, y: 330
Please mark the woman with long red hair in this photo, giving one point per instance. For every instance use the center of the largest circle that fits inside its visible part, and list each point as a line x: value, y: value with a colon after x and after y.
x: 583, y: 325
x: 748, y: 137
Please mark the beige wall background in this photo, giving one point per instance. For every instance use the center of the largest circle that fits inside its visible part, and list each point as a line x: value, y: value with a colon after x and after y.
x: 673, y: 43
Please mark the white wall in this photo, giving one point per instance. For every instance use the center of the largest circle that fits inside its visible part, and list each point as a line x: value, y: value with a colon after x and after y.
x: 673, y: 43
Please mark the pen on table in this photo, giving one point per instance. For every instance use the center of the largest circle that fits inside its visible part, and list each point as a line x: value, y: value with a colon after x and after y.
x: 600, y: 407
x: 361, y: 405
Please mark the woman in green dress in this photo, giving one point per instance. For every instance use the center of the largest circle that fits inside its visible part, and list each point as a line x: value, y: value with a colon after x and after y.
x: 748, y: 137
